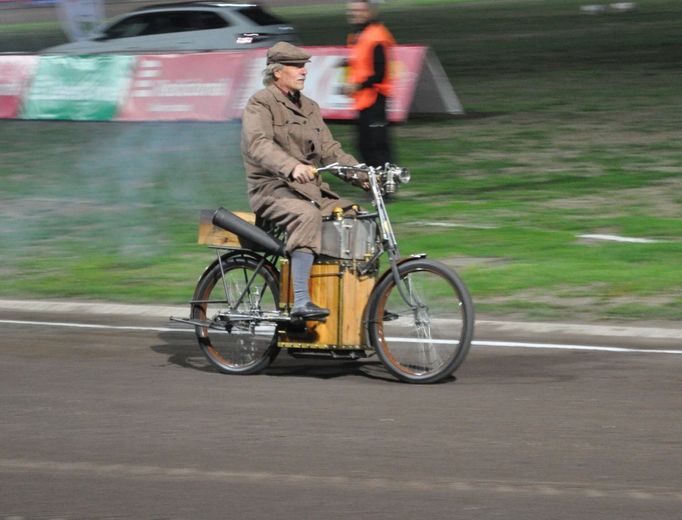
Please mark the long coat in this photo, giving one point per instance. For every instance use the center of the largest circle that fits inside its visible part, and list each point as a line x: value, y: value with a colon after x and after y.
x: 277, y: 135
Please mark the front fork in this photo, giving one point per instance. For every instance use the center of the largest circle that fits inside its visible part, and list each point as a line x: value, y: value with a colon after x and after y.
x: 410, y: 297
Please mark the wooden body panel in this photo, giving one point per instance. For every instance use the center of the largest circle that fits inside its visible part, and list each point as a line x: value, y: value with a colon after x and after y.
x: 325, y: 285
x: 286, y: 287
x: 211, y: 235
x: 340, y: 290
x: 355, y: 295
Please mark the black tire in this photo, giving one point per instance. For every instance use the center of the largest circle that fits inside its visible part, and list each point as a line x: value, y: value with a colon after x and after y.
x: 241, y: 346
x: 429, y: 341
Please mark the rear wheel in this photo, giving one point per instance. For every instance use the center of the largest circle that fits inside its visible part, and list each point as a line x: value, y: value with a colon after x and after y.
x: 237, y: 301
x: 422, y: 328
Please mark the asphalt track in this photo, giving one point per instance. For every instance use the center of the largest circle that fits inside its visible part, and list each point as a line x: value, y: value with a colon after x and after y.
x: 111, y: 412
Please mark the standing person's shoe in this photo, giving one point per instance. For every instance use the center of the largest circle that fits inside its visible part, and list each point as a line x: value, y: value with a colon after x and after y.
x: 309, y: 311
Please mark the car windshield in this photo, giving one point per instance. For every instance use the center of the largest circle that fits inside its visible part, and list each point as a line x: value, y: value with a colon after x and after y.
x: 260, y: 17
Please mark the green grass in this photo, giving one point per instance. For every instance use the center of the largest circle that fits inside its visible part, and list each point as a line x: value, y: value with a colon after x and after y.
x: 572, y: 128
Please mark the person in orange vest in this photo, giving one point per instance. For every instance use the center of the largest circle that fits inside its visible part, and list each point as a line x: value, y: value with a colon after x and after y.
x: 369, y: 80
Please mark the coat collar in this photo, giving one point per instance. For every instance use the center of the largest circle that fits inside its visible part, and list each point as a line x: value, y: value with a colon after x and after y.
x: 306, y: 103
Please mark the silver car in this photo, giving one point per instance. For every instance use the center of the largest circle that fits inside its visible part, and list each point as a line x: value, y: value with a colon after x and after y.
x: 184, y: 27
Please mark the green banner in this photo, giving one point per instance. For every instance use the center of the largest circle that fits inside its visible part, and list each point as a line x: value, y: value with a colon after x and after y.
x: 78, y: 87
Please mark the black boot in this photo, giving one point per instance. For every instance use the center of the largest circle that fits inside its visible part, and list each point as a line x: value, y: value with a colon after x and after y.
x: 309, y: 311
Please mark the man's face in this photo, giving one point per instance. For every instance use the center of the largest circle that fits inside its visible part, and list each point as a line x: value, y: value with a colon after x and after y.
x: 291, y: 77
x: 358, y: 13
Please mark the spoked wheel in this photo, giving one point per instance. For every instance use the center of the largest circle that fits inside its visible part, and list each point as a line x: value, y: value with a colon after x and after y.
x: 421, y: 329
x: 240, y: 340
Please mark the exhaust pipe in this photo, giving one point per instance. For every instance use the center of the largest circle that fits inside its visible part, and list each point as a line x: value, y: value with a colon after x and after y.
x: 259, y: 239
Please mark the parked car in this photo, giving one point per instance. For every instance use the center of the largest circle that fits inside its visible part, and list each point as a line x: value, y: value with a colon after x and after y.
x: 185, y: 27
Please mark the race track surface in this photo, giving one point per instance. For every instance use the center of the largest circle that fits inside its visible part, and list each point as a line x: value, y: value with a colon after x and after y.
x: 119, y: 416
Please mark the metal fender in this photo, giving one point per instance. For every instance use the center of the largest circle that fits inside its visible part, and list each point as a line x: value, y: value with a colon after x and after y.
x: 230, y: 254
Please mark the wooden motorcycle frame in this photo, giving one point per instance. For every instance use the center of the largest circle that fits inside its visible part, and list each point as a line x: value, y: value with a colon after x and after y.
x: 416, y: 316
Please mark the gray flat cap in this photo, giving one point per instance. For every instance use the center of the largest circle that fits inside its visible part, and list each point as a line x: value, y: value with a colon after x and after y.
x: 287, y: 54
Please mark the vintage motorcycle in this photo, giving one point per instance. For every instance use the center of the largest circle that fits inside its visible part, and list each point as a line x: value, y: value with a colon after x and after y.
x: 417, y: 316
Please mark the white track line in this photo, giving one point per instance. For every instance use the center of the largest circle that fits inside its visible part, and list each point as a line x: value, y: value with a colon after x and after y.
x: 500, y: 344
x: 539, y: 329
x: 94, y: 326
x: 512, y: 344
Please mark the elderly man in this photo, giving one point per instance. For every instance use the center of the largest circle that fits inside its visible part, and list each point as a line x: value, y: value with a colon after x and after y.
x: 283, y: 140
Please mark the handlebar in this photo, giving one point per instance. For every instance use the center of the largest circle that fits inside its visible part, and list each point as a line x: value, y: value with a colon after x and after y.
x: 388, y: 176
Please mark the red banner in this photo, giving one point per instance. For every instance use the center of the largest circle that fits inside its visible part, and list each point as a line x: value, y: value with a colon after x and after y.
x: 216, y: 86
x: 198, y: 87
x: 16, y: 73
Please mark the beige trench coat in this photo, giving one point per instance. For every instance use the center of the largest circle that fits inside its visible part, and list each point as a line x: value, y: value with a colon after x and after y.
x: 276, y: 136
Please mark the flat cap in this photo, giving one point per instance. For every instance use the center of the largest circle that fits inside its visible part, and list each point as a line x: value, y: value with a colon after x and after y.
x: 287, y: 54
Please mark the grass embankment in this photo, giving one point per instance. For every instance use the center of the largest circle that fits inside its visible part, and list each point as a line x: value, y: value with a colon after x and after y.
x: 572, y: 129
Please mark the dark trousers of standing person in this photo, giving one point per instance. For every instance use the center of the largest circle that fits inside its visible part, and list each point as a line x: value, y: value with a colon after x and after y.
x: 373, y: 134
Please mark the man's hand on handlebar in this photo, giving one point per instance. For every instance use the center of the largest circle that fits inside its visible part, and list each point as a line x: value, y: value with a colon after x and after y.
x: 304, y: 173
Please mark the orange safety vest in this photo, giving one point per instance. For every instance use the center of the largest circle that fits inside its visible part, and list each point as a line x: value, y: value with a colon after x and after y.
x: 361, y: 66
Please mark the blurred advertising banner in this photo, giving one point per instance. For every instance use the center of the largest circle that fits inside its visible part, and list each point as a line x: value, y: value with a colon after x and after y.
x: 80, y: 17
x: 199, y: 87
x: 78, y: 87
x: 208, y: 86
x: 16, y: 73
x: 420, y: 84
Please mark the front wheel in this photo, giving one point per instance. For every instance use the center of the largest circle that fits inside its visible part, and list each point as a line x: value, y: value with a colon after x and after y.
x: 237, y: 299
x: 422, y: 328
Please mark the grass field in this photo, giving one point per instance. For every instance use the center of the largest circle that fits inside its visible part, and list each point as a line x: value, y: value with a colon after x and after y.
x: 573, y: 128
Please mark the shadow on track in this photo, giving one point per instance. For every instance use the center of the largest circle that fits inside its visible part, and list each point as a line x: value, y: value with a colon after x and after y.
x: 182, y: 351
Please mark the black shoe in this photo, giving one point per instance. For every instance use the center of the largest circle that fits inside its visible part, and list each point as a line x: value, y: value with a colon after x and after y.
x: 390, y: 316
x: 309, y: 311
